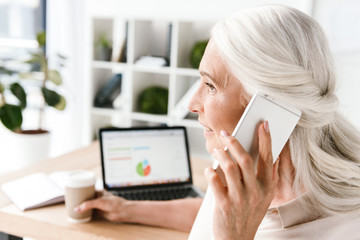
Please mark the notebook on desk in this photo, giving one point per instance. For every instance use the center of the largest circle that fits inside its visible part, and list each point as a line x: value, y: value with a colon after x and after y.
x: 148, y: 163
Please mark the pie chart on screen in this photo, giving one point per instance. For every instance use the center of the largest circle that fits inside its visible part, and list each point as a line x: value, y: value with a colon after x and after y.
x: 143, y: 168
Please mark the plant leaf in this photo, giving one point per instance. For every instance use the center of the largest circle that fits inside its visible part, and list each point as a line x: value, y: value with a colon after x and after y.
x: 38, y: 76
x: 2, y: 88
x: 55, y: 77
x: 41, y: 38
x: 6, y: 71
x: 19, y: 92
x: 37, y: 61
x: 51, y: 97
x: 62, y: 104
x: 11, y: 116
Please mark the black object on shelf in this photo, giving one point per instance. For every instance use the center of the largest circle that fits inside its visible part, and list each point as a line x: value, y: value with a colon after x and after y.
x: 107, y: 94
x: 168, y: 50
x: 123, y: 53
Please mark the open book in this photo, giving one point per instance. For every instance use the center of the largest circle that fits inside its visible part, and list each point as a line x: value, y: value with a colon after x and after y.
x: 36, y: 190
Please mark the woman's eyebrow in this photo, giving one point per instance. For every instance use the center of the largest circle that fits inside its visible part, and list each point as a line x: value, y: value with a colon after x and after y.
x: 217, y: 82
x: 208, y: 75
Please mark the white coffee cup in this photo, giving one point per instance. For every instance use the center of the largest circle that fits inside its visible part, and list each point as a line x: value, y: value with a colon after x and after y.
x: 80, y: 186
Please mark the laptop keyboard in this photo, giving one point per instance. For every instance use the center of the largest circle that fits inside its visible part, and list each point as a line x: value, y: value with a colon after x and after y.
x: 158, y: 194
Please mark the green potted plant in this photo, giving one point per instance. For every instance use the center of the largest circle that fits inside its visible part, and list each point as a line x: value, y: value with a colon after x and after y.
x: 13, y: 99
x: 197, y: 53
x: 11, y: 114
x: 154, y: 100
x: 103, y: 48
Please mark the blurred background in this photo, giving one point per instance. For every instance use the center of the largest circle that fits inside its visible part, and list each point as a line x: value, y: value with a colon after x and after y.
x: 144, y: 50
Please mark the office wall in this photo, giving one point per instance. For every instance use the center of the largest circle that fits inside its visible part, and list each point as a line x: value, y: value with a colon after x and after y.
x: 191, y: 9
x: 341, y: 21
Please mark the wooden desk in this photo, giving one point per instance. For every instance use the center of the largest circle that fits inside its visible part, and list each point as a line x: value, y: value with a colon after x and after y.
x: 50, y: 222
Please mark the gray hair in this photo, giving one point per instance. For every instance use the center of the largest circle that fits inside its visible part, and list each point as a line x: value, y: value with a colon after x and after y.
x: 284, y: 53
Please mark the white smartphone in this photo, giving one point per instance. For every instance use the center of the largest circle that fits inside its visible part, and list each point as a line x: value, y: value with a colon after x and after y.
x: 282, y: 119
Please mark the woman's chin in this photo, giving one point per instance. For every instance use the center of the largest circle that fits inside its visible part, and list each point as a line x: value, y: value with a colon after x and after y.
x: 210, y: 146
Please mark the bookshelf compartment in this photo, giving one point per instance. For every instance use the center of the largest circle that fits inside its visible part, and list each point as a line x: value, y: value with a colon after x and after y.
x: 100, y: 78
x: 152, y: 38
x: 143, y: 80
x: 156, y: 37
x: 189, y: 33
x: 103, y: 32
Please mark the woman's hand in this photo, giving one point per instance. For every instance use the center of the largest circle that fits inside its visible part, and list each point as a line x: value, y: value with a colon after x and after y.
x: 175, y: 214
x: 242, y: 204
x: 107, y: 206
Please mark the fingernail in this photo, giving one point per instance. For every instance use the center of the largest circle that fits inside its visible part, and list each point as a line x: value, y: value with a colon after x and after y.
x: 77, y: 209
x: 214, y: 150
x: 266, y: 126
x: 224, y: 133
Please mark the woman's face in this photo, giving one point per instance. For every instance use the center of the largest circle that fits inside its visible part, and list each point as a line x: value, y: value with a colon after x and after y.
x: 220, y: 100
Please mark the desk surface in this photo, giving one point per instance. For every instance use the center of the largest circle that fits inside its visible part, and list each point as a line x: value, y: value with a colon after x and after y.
x: 50, y: 222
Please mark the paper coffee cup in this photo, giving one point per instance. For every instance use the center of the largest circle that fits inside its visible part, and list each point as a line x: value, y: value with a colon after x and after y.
x: 80, y: 186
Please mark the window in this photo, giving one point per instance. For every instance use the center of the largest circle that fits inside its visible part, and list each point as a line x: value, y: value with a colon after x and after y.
x: 20, y: 20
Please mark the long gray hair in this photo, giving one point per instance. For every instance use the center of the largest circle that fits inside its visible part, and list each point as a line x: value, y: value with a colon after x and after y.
x: 284, y: 53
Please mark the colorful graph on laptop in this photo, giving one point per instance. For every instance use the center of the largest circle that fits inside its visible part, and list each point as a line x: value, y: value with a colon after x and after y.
x: 143, y: 168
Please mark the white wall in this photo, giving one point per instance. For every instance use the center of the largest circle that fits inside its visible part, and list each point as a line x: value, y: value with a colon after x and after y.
x: 341, y: 22
x: 184, y: 9
x: 64, y: 36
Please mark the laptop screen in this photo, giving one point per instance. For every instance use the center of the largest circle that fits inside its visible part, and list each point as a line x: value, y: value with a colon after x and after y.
x: 144, y: 156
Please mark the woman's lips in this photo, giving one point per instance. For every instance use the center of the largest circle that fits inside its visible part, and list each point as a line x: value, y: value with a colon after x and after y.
x: 207, y: 131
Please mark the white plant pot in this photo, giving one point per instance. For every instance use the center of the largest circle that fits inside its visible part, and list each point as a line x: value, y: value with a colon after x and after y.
x: 21, y: 150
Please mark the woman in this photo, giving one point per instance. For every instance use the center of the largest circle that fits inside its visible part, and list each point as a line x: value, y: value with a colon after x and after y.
x: 313, y: 189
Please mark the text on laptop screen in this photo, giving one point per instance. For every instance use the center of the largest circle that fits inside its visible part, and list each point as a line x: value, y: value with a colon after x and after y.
x: 144, y: 157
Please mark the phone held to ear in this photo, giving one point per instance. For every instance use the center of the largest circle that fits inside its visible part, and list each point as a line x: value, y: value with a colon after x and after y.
x: 282, y: 119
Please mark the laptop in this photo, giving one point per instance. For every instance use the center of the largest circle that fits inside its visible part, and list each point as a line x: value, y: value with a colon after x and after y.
x: 147, y: 163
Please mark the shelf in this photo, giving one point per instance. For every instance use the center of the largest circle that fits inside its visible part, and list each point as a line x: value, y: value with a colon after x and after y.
x: 105, y: 111
x: 149, y: 117
x: 109, y: 65
x: 172, y: 40
x: 160, y: 70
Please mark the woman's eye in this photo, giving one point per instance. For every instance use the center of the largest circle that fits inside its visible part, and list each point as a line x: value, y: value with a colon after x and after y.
x: 211, y: 87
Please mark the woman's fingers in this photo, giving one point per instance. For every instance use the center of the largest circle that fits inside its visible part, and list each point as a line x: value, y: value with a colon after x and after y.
x: 91, y: 204
x: 244, y: 184
x: 230, y: 169
x: 245, y: 162
x: 265, y: 162
x: 242, y: 158
x: 215, y: 183
x: 101, y: 193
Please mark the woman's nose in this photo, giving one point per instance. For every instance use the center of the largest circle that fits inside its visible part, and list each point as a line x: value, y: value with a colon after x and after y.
x: 196, y: 103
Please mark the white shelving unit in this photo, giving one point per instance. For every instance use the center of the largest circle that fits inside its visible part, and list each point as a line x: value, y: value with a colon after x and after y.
x: 146, y: 37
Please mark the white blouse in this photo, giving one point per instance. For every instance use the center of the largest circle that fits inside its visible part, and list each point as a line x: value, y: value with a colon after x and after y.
x: 288, y: 221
